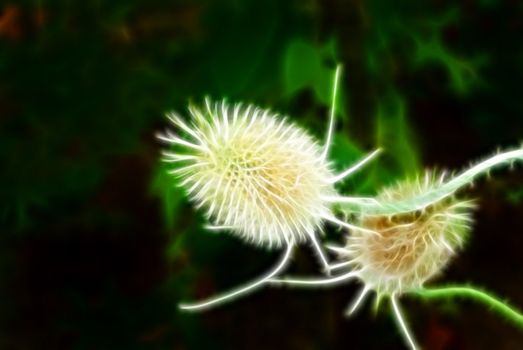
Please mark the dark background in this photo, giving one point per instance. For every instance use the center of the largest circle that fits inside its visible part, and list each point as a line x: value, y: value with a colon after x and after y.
x: 97, y: 247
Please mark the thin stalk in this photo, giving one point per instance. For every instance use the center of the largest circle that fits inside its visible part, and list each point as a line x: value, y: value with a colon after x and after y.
x: 220, y: 299
x: 486, y: 298
x: 332, y: 116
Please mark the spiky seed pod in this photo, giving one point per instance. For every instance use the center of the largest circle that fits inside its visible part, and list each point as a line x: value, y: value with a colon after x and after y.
x: 409, y: 248
x: 253, y: 172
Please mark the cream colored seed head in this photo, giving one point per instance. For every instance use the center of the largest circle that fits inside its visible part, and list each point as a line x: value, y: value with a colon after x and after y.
x: 256, y: 174
x: 409, y: 248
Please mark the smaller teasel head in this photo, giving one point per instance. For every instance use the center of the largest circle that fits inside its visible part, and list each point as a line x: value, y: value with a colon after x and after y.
x: 254, y: 173
x: 408, y: 248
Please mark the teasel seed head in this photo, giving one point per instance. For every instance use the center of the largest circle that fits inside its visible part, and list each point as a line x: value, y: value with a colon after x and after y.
x: 410, y: 248
x: 253, y: 172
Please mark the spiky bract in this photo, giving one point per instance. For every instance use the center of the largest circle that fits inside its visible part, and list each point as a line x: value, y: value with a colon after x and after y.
x: 408, y: 248
x: 255, y: 173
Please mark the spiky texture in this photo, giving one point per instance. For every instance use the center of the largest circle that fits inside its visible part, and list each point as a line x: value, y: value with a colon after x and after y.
x: 436, y: 193
x: 408, y: 248
x: 253, y: 172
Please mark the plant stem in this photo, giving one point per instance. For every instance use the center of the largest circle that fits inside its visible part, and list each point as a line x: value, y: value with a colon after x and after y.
x: 488, y: 299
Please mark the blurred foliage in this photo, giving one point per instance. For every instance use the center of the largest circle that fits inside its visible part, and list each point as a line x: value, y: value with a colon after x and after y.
x: 304, y: 68
x: 164, y: 186
x: 84, y: 86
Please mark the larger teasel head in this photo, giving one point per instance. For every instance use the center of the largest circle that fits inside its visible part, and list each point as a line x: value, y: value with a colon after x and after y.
x: 408, y: 248
x: 254, y: 173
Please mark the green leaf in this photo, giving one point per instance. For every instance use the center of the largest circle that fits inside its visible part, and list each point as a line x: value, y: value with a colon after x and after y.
x: 305, y: 67
x: 395, y: 136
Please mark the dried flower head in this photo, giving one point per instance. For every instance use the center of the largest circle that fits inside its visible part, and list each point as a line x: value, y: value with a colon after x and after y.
x: 398, y: 253
x: 409, y: 248
x: 262, y: 178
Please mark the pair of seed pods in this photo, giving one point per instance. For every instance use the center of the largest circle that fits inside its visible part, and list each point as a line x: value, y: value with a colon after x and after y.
x: 266, y: 180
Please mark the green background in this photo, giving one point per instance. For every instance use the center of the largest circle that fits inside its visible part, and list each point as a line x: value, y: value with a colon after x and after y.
x: 97, y: 246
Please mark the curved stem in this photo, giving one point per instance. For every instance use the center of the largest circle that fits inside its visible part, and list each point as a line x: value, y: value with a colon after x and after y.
x: 487, y: 299
x: 468, y: 175
x: 332, y: 118
x: 319, y: 251
x: 311, y: 282
x: 440, y: 192
x: 215, y: 301
x: 403, y: 325
x: 358, y: 301
x: 355, y: 167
